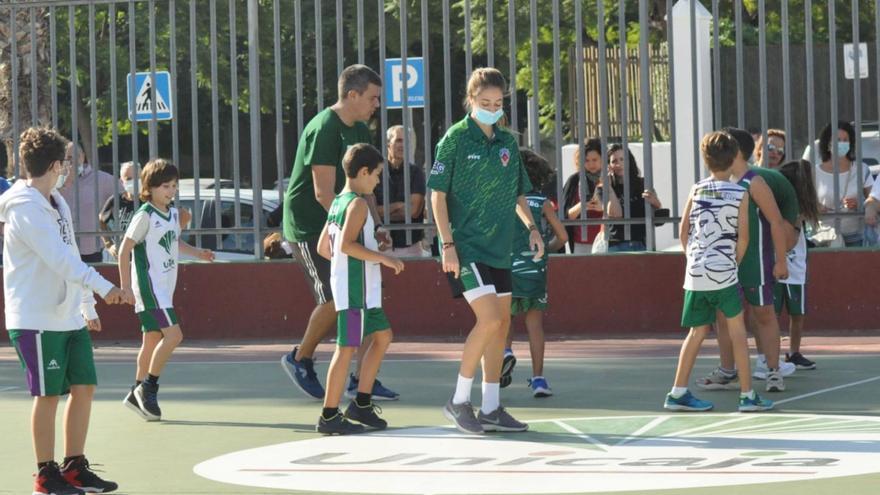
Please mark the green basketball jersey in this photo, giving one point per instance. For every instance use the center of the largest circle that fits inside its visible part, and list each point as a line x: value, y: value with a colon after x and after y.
x: 756, y: 267
x: 324, y: 141
x: 154, y: 257
x: 355, y: 283
x: 482, y: 178
x: 529, y: 276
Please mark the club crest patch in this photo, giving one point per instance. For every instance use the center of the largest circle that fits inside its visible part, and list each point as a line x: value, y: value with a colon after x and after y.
x: 504, y: 154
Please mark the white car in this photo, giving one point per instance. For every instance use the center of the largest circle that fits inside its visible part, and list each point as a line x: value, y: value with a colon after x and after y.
x: 227, y: 247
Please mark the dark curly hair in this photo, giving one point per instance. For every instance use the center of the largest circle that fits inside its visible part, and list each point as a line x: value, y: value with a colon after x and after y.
x: 39, y: 148
x: 538, y: 169
x: 825, y: 141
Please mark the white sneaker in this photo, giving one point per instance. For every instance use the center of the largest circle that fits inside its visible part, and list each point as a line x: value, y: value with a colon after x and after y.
x: 760, y: 370
x: 775, y: 382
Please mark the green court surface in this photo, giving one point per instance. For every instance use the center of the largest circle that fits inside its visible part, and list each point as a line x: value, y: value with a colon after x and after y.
x: 604, y: 431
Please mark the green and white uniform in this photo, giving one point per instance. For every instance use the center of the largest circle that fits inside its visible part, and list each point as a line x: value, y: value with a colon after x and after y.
x: 792, y: 292
x: 482, y: 178
x: 356, y: 284
x: 154, y: 266
x: 710, y: 280
x: 529, y: 276
x: 756, y: 267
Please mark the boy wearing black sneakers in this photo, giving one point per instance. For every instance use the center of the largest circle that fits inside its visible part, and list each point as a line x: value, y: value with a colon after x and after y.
x: 347, y: 240
x: 49, y: 312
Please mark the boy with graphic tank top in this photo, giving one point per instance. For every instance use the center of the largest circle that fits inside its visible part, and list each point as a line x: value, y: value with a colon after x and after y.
x: 773, y: 211
x: 148, y: 261
x: 348, y: 241
x: 715, y: 236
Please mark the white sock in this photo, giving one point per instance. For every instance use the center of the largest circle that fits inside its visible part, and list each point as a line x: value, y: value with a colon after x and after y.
x: 491, y: 397
x: 750, y: 394
x: 463, y: 390
x: 677, y: 392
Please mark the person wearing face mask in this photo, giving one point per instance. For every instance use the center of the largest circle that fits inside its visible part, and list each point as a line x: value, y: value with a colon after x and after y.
x: 847, y: 183
x: 86, y: 189
x: 478, y: 184
x: 111, y: 218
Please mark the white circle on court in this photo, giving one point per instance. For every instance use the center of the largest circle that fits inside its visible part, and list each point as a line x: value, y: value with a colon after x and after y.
x: 572, y: 455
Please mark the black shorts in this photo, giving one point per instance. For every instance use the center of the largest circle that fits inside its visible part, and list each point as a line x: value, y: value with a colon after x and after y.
x: 477, y: 279
x: 316, y: 269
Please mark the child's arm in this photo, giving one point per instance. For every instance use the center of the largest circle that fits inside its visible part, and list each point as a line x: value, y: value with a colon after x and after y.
x: 124, y: 262
x: 872, y: 206
x: 560, y: 236
x: 742, y: 229
x: 355, y: 217
x: 536, y: 243
x: 324, y: 248
x: 779, y: 228
x: 202, y: 254
x: 685, y: 227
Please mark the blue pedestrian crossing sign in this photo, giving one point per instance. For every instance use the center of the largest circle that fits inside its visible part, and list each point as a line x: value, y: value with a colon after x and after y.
x: 140, y: 96
x: 396, y: 77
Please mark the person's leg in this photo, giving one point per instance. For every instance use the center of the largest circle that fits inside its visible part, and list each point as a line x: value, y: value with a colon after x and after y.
x: 171, y: 337
x: 687, y: 356
x: 336, y: 375
x: 535, y: 329
x: 736, y: 329
x: 43, y: 427
x: 488, y: 326
x: 755, y: 329
x: 361, y: 354
x: 725, y: 347
x: 494, y: 352
x: 767, y: 334
x: 373, y: 359
x: 321, y: 324
x: 148, y: 346
x: 76, y: 419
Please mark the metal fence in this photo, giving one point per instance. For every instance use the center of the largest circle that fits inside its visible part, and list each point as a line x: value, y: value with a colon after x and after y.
x: 245, y: 76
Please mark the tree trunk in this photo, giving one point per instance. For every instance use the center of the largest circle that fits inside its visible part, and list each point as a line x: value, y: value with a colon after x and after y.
x: 20, y: 28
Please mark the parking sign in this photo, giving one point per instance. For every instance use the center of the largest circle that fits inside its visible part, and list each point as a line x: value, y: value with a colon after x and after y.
x: 396, y: 77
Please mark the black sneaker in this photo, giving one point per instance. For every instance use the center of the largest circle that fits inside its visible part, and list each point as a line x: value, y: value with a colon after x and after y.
x: 146, y: 396
x: 78, y: 473
x: 50, y: 482
x: 507, y: 369
x: 337, y: 425
x: 367, y: 415
x: 131, y: 402
x: 800, y: 361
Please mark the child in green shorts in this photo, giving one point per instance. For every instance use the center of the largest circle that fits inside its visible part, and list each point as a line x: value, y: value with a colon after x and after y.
x: 714, y: 234
x: 348, y: 241
x: 530, y: 274
x: 148, y: 272
x: 50, y: 310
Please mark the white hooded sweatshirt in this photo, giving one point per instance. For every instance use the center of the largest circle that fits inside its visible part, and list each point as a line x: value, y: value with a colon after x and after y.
x: 45, y: 284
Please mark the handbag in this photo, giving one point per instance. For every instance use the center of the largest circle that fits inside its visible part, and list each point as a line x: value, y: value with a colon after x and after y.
x: 600, y: 243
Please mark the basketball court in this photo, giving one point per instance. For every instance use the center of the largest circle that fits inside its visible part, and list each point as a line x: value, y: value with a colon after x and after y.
x: 234, y: 423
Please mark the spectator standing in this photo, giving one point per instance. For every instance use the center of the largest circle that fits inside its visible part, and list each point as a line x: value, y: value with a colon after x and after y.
x: 86, y: 190
x: 581, y: 238
x: 775, y: 149
x: 396, y: 195
x: 111, y: 218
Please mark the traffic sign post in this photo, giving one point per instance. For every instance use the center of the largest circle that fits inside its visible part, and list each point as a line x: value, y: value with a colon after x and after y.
x: 413, y: 77
x: 849, y: 56
x: 140, y: 96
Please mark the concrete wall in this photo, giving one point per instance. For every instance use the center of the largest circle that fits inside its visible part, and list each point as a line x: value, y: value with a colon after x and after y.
x: 614, y: 294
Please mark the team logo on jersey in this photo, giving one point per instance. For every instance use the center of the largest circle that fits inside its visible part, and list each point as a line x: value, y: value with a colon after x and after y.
x: 168, y: 240
x: 53, y: 365
x: 438, y: 168
x: 505, y: 156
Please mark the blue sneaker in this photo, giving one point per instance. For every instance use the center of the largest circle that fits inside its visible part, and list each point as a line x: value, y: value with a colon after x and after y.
x: 686, y: 402
x: 380, y: 392
x: 754, y: 405
x: 540, y: 387
x: 302, y: 373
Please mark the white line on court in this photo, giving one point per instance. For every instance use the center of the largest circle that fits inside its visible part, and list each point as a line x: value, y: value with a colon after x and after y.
x: 644, y: 429
x: 830, y: 389
x: 580, y: 434
x: 7, y: 389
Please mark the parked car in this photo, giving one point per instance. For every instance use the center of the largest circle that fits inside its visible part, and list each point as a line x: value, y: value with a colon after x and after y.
x: 227, y: 246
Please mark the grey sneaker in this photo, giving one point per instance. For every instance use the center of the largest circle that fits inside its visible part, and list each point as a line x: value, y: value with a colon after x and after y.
x: 719, y: 380
x: 774, y: 381
x: 500, y: 420
x: 463, y: 417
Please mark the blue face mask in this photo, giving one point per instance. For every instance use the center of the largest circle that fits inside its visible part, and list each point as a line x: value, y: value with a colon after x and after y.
x: 486, y: 117
x: 842, y: 149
